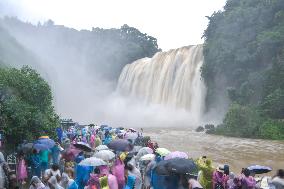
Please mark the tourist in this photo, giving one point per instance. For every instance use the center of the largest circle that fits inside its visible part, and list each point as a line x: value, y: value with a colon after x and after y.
x: 36, y: 183
x: 35, y: 163
x: 3, y: 176
x: 67, y: 183
x: 53, y: 171
x: 53, y: 183
x: 112, y: 181
x: 118, y: 171
x: 44, y: 159
x: 219, y: 179
x: 278, y: 180
x: 247, y: 181
x: 132, y: 170
x: 22, y: 174
x: 194, y: 184
x: 55, y: 153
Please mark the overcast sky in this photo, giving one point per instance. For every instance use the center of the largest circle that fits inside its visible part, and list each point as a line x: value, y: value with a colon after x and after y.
x: 174, y: 23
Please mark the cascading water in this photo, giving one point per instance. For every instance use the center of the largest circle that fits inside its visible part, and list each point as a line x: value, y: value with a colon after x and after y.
x: 171, y: 79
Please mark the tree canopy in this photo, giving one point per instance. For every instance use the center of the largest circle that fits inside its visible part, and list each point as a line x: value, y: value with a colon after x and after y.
x: 244, y: 61
x: 26, y: 109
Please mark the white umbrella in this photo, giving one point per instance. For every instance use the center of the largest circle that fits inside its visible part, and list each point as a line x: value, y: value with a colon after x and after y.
x: 143, y: 151
x: 101, y: 147
x: 131, y: 136
x: 92, y: 161
x: 147, y: 157
x: 105, y: 155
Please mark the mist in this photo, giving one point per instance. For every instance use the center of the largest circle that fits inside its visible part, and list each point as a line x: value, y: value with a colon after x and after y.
x: 83, y: 67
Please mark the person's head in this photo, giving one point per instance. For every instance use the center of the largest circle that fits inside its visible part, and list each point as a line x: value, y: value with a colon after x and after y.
x: 226, y: 169
x: 34, y: 151
x: 34, y: 181
x: 55, y: 167
x: 280, y: 173
x: 246, y: 172
x: 129, y: 166
x: 97, y: 170
x: 232, y: 175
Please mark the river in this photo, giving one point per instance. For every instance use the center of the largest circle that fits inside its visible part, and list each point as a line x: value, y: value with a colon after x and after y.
x: 236, y: 152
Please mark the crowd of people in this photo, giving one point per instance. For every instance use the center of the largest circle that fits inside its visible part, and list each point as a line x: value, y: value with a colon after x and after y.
x: 101, y: 157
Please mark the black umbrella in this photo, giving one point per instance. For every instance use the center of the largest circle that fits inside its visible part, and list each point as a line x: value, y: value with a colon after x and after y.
x: 181, y: 166
x: 161, y: 169
x: 258, y: 169
x: 120, y: 145
x: 83, y: 146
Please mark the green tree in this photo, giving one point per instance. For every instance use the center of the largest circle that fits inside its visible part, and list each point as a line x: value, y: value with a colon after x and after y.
x: 26, y: 109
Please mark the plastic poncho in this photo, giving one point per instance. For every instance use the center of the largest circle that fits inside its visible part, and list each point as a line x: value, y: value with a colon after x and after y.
x: 36, y: 183
x: 82, y: 175
x: 130, y: 182
x: 206, y: 171
x: 104, y: 182
x: 22, y: 173
x: 112, y: 181
x: 118, y: 171
x: 54, y: 183
x: 94, y: 181
x: 3, y: 178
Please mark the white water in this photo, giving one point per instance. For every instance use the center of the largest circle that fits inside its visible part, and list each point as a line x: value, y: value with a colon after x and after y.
x: 171, y: 79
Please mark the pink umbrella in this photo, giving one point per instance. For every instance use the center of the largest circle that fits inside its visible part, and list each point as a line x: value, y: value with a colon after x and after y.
x: 176, y: 154
x: 71, y: 153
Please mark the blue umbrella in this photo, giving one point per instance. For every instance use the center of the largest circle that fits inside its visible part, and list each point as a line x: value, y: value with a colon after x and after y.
x: 44, y: 143
x: 259, y: 169
x: 40, y: 147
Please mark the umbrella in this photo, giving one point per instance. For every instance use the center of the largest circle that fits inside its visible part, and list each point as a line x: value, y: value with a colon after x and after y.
x: 120, y: 145
x: 136, y: 149
x: 40, y: 147
x: 161, y: 169
x: 44, y: 143
x: 92, y: 161
x: 181, y: 166
x: 147, y: 157
x: 83, y: 146
x: 26, y: 147
x: 131, y: 136
x: 71, y: 153
x: 105, y: 155
x: 101, y: 147
x: 143, y: 151
x: 176, y: 154
x: 258, y: 169
x: 162, y: 151
x: 133, y: 130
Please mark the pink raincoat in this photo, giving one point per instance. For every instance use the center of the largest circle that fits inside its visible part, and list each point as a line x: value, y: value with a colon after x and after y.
x: 112, y: 181
x: 118, y: 171
x: 22, y: 170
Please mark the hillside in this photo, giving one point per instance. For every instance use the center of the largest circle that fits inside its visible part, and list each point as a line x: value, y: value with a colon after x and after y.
x: 244, y: 67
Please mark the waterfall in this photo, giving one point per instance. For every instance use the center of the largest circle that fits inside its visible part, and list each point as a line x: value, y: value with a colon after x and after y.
x: 171, y: 79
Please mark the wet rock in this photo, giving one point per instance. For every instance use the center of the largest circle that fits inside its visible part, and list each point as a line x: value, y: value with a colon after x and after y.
x: 199, y: 129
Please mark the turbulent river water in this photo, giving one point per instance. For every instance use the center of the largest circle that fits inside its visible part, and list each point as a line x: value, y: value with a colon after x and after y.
x: 237, y: 152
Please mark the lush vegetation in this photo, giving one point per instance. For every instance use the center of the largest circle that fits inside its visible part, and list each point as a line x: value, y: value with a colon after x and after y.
x: 244, y: 63
x: 26, y: 110
x: 101, y: 51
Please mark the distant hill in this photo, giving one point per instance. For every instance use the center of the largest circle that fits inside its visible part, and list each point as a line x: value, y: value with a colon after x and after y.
x: 102, y: 51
